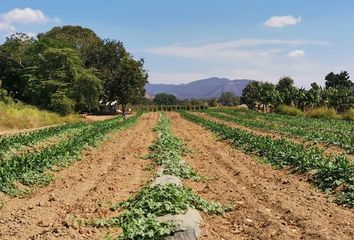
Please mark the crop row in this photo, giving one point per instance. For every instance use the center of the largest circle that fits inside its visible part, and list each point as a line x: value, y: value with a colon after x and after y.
x: 341, y: 138
x: 321, y: 124
x: 167, y: 151
x: 140, y: 213
x: 30, y: 169
x: 15, y: 141
x: 333, y: 174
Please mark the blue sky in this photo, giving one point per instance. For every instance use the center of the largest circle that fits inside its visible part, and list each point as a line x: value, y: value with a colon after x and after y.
x: 187, y: 40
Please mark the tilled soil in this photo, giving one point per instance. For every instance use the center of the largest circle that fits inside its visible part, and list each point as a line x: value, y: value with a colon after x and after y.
x: 269, y: 203
x: 110, y: 173
x: 328, y: 149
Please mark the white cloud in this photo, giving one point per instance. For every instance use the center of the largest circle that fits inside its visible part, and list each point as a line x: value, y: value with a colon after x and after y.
x: 24, y: 16
x: 231, y: 49
x: 282, y: 21
x: 296, y: 53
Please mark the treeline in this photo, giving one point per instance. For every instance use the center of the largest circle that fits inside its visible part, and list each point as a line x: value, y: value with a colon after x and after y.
x: 69, y: 69
x: 338, y: 94
x: 163, y: 99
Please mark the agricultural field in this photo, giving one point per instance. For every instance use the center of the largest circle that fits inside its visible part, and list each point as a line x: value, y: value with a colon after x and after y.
x: 240, y: 174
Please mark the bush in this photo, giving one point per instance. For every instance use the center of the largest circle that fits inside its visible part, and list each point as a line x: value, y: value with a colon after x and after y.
x: 289, y: 110
x: 323, y: 112
x: 4, y: 96
x: 349, y: 115
x: 61, y: 104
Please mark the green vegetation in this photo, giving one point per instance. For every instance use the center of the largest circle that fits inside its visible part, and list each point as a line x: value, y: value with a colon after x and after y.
x: 289, y: 110
x: 334, y: 174
x: 337, y: 94
x: 31, y: 169
x: 167, y: 151
x: 69, y: 69
x: 329, y: 131
x: 165, y: 99
x: 21, y: 116
x: 229, y: 99
x: 15, y: 141
x: 139, y: 214
x: 323, y: 112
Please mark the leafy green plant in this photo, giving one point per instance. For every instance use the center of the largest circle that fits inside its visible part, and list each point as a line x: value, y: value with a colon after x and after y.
x: 335, y: 174
x: 329, y: 131
x: 167, y: 151
x: 139, y: 216
x: 30, y: 169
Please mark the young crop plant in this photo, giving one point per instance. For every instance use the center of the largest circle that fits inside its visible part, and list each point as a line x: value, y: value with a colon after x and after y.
x: 139, y: 218
x: 334, y: 174
x: 14, y: 142
x: 140, y: 215
x: 167, y: 151
x: 333, y: 132
x: 32, y: 168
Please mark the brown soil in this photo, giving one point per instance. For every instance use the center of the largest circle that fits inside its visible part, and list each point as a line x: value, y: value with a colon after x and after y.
x: 98, y: 117
x: 269, y: 203
x: 110, y: 173
x: 328, y: 150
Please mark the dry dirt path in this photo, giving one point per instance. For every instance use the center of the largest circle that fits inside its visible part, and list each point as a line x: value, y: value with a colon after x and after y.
x: 269, y: 203
x: 112, y: 172
x: 328, y: 149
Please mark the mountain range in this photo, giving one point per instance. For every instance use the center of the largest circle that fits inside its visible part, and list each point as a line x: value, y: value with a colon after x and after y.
x: 204, y: 89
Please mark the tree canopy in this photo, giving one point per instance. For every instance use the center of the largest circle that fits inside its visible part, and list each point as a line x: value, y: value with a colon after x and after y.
x: 338, y: 94
x: 165, y: 99
x: 70, y: 69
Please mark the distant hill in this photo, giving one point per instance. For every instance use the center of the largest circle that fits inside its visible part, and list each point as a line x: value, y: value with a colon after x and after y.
x: 205, y: 88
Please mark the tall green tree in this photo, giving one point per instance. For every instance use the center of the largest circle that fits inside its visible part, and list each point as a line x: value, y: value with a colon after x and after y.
x: 14, y: 61
x: 229, y: 99
x: 287, y: 90
x: 165, y: 99
x: 125, y: 77
x: 251, y: 95
x: 338, y: 81
x: 84, y: 39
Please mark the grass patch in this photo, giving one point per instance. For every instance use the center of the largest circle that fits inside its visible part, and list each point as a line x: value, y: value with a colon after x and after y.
x: 22, y: 116
x: 323, y: 112
x: 349, y: 115
x: 289, y: 110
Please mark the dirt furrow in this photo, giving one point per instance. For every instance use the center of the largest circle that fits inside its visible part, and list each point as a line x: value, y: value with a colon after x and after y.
x: 328, y: 149
x: 269, y: 203
x: 84, y: 191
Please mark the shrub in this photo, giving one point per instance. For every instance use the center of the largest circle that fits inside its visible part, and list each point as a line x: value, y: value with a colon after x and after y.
x: 323, y: 112
x: 289, y: 110
x: 61, y: 104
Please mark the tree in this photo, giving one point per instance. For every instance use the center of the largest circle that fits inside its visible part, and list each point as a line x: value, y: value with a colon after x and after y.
x: 14, y: 60
x: 83, y: 39
x: 229, y: 99
x: 338, y: 81
x: 165, y: 99
x: 251, y: 94
x: 314, y: 96
x: 269, y: 95
x: 124, y: 77
x: 287, y: 90
x: 213, y: 102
